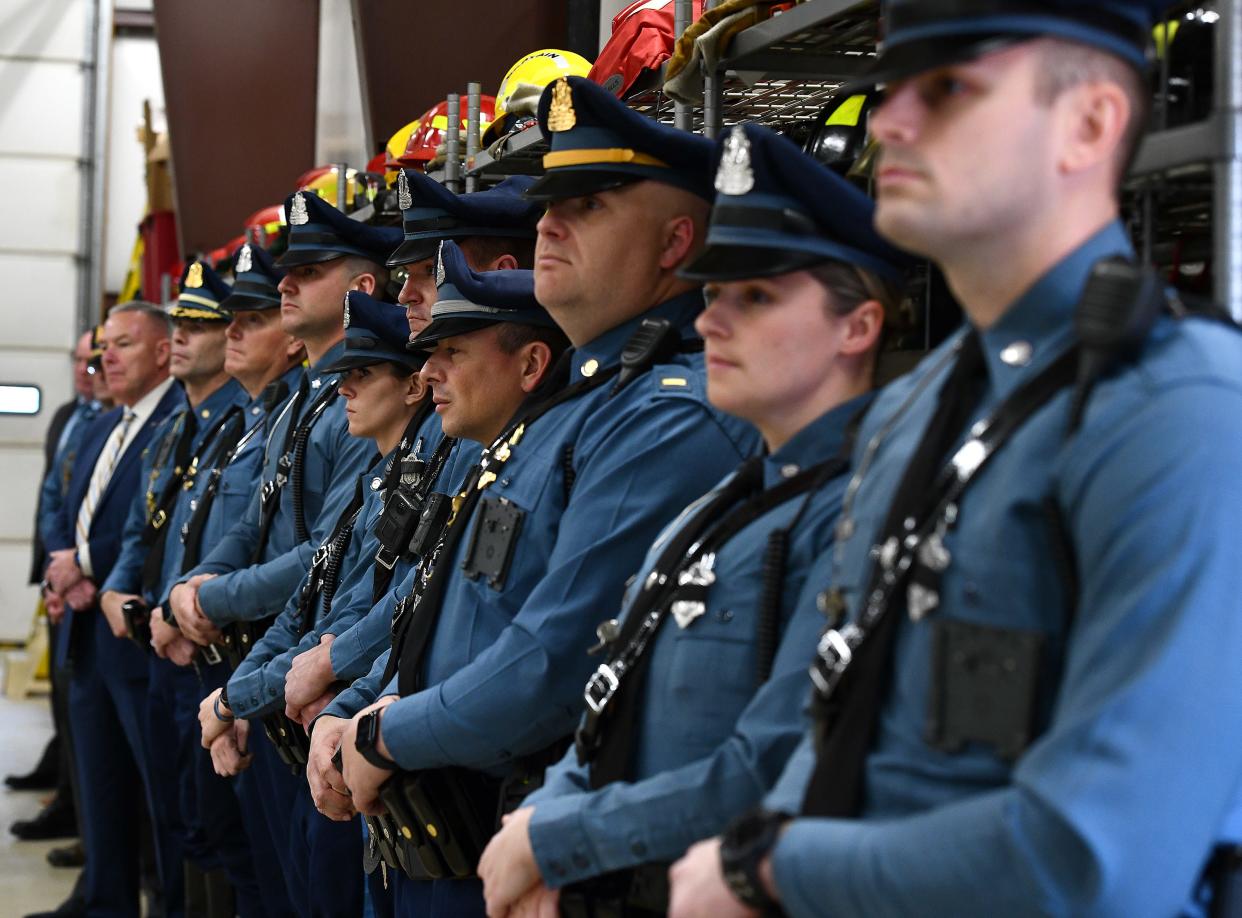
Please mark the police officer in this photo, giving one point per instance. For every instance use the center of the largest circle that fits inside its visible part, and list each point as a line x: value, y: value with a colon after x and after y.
x: 1036, y: 596
x: 576, y: 484
x: 309, y: 473
x: 147, y: 564
x: 257, y: 353
x: 109, y: 681
x: 697, y: 716
x: 496, y: 229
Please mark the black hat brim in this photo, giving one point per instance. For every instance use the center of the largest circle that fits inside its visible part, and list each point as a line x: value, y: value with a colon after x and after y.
x: 238, y: 302
x: 412, y: 250
x: 439, y: 329
x: 739, y: 262
x: 914, y: 57
x: 355, y: 362
x: 293, y: 258
x: 559, y: 184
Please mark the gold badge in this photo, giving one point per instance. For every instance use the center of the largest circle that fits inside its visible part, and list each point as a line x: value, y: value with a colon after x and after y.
x: 297, y: 211
x: 561, y: 115
x: 194, y: 277
x: 405, y: 200
x: 735, y: 177
x: 244, y: 260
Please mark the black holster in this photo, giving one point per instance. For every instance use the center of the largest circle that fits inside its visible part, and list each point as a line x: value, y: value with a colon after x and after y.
x: 138, y: 622
x: 290, y: 740
x: 636, y: 893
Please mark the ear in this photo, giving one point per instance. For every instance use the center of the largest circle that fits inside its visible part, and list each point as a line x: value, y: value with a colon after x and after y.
x: 294, y: 349
x: 680, y: 240
x: 163, y: 351
x: 862, y: 328
x: 504, y: 262
x: 365, y: 283
x: 1098, y: 115
x: 416, y: 390
x: 536, y: 358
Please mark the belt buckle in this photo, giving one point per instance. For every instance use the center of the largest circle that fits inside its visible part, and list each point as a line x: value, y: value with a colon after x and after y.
x: 600, y: 688
x: 210, y: 654
x: 834, y: 655
x: 386, y: 559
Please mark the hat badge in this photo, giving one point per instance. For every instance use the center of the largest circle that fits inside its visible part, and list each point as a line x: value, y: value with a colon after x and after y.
x: 244, y: 260
x: 735, y: 175
x: 405, y: 200
x: 561, y: 115
x: 346, y: 318
x: 440, y: 264
x: 297, y: 212
x: 194, y: 277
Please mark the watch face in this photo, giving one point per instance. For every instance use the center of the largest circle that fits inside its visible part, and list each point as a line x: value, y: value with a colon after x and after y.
x: 367, y: 731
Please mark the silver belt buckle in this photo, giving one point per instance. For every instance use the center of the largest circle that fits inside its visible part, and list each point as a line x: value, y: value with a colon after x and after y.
x: 211, y: 654
x: 600, y: 688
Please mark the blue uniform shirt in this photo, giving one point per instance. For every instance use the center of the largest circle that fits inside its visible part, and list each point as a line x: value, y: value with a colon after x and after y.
x: 126, y: 574
x: 708, y: 741
x: 333, y: 459
x: 1115, y: 807
x: 504, y: 669
x: 364, y: 632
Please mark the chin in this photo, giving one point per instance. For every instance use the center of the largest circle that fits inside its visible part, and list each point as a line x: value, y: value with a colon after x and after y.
x: 901, y: 223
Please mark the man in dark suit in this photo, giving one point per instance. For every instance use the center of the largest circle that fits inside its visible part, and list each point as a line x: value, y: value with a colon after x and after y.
x: 68, y: 424
x: 108, y: 687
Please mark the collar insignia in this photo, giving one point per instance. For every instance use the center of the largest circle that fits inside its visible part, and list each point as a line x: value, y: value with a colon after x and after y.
x: 735, y: 177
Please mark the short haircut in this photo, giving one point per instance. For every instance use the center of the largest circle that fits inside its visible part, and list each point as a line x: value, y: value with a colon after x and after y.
x: 483, y: 250
x: 1065, y: 65
x: 161, y: 318
x: 849, y: 286
x: 357, y: 264
x: 511, y: 336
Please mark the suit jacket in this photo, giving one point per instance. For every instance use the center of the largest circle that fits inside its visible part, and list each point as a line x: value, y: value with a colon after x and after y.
x: 108, y: 523
x: 60, y: 418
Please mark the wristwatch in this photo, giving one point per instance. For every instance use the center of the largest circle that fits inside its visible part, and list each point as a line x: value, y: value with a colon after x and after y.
x: 744, y: 845
x: 367, y: 741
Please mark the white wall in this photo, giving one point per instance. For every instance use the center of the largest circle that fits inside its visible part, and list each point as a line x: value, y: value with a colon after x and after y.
x: 135, y: 77
x: 42, y: 91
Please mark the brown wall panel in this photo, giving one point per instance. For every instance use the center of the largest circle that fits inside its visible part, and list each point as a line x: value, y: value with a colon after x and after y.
x: 416, y: 53
x: 239, y: 86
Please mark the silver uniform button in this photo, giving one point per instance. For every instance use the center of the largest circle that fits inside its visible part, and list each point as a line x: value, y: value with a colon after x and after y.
x: 1017, y: 354
x: 789, y: 471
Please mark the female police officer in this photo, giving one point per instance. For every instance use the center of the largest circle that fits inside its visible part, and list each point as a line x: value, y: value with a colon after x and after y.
x: 700, y: 701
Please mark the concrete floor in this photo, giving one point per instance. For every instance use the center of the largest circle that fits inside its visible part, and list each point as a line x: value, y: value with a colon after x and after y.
x: 27, y: 883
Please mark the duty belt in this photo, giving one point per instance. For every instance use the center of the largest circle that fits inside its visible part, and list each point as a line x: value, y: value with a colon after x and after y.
x: 637, y: 893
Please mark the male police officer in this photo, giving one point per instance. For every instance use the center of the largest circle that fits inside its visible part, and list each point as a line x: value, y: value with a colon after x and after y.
x: 496, y: 229
x: 109, y: 682
x: 148, y: 563
x: 310, y: 469
x: 568, y: 496
x: 1009, y: 733
x: 258, y: 354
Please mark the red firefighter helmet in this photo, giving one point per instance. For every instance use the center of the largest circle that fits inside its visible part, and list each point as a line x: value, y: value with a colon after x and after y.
x: 432, y: 125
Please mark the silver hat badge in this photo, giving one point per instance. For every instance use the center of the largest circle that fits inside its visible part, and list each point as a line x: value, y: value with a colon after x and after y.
x: 735, y: 177
x: 244, y: 260
x: 405, y: 200
x: 440, y: 264
x: 297, y: 213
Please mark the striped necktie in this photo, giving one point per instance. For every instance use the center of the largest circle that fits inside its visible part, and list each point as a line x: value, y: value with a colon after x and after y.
x: 102, y: 475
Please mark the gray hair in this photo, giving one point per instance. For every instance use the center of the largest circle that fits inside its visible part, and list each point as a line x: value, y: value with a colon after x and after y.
x: 150, y: 310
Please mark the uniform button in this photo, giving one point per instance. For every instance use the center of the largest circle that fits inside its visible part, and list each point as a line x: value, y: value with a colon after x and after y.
x: 505, y: 482
x: 639, y: 849
x: 376, y: 484
x: 725, y: 615
x: 206, y: 413
x: 789, y: 471
x: 1017, y: 354
x: 970, y: 592
x: 590, y: 368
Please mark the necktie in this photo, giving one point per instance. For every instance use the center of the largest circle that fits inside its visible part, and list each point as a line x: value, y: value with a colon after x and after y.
x: 102, y: 474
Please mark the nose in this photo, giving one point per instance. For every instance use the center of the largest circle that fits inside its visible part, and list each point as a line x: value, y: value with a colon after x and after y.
x: 286, y: 285
x: 432, y: 372
x: 712, y: 321
x: 551, y: 223
x: 233, y: 330
x: 895, y: 120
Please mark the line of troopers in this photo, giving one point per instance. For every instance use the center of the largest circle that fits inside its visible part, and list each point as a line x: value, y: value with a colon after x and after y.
x: 1012, y: 573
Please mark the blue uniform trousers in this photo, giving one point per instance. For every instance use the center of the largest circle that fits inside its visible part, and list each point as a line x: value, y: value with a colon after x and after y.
x: 107, y: 710
x: 437, y: 898
x: 328, y: 858
x: 267, y: 797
